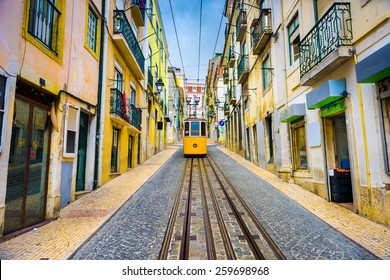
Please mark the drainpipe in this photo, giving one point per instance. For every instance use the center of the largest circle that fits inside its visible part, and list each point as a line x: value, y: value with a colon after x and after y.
x: 99, y: 108
x: 368, y: 173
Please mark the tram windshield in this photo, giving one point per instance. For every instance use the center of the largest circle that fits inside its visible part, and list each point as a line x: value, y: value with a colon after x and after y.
x: 195, y: 129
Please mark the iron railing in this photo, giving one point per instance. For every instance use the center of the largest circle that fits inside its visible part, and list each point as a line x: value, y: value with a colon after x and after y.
x: 127, y: 112
x: 332, y: 31
x: 263, y: 23
x: 43, y: 23
x: 243, y: 65
x: 121, y: 25
x: 241, y: 19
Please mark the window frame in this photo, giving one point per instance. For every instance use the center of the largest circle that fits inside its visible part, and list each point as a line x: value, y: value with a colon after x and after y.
x: 293, y: 33
x: 384, y: 97
x: 93, y: 50
x: 65, y: 152
x: 266, y: 72
x: 294, y: 127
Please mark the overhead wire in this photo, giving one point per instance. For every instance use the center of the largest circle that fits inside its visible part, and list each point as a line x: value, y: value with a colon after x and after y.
x: 200, y: 35
x: 177, y: 37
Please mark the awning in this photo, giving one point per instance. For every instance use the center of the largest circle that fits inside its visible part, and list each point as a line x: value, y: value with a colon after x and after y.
x: 292, y: 112
x: 374, y: 67
x: 326, y: 93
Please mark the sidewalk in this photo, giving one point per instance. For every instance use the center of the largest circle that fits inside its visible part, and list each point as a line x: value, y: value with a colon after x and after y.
x: 81, y: 219
x: 368, y: 234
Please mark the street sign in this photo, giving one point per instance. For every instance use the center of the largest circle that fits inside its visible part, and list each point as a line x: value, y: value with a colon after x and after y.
x: 221, y: 122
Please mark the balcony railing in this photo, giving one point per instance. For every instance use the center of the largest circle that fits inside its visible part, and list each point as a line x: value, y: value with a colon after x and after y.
x: 243, y: 69
x: 121, y: 25
x: 232, y: 96
x: 43, y: 23
x: 120, y: 107
x: 331, y: 32
x: 231, y: 56
x: 241, y: 25
x: 261, y: 30
x: 225, y: 75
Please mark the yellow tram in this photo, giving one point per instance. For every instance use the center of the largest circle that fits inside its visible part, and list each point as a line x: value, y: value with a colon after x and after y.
x: 195, y: 137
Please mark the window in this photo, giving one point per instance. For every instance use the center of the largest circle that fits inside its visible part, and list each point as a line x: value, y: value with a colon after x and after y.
x: 384, y: 97
x: 2, y: 107
x: 203, y: 128
x: 71, y: 128
x: 92, y: 30
x: 120, y: 4
x: 266, y: 71
x: 293, y: 39
x: 195, y: 129
x: 132, y: 96
x: 194, y: 90
x: 186, y: 129
x: 298, y: 135
x: 43, y: 22
x: 114, y: 150
x: 150, y: 7
x: 157, y: 30
x: 118, y: 78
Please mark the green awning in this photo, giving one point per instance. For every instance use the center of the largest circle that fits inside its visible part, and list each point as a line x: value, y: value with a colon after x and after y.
x: 326, y: 93
x: 375, y: 67
x: 292, y: 112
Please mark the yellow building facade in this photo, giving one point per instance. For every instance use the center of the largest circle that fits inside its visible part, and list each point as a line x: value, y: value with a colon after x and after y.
x: 49, y: 58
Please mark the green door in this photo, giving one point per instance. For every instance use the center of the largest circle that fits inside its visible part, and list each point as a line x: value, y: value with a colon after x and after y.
x: 82, y: 152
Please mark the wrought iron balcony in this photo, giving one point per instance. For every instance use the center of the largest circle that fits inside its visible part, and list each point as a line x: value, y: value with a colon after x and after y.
x: 261, y: 31
x: 231, y: 57
x: 121, y: 108
x: 225, y: 75
x: 324, y: 45
x: 241, y: 25
x: 243, y: 69
x: 138, y: 11
x: 127, y: 43
x: 226, y: 108
x: 232, y: 96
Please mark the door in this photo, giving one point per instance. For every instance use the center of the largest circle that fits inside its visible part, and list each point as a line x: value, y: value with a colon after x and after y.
x: 82, y: 152
x: 28, y: 167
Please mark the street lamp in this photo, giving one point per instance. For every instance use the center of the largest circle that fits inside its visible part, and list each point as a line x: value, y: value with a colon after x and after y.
x: 159, y: 85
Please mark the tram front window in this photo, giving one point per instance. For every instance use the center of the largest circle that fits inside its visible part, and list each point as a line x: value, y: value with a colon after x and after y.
x: 186, y: 129
x: 195, y: 129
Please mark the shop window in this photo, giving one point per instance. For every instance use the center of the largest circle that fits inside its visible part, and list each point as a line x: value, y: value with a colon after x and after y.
x: 298, y: 135
x: 71, y: 130
x: 2, y: 108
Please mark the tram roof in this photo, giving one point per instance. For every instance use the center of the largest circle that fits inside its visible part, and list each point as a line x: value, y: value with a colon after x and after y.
x: 194, y: 120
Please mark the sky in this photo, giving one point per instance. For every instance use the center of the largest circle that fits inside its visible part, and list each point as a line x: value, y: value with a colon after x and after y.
x: 187, y: 18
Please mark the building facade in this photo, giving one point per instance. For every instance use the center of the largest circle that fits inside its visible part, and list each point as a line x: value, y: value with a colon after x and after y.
x: 49, y: 77
x: 195, y: 100
x: 307, y: 96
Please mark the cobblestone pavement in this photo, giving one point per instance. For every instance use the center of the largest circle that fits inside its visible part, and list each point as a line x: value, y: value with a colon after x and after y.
x: 284, y: 208
x: 136, y: 231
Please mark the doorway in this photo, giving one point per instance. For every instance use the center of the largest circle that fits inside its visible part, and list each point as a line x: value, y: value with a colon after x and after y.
x: 82, y: 152
x: 26, y: 193
x: 338, y: 159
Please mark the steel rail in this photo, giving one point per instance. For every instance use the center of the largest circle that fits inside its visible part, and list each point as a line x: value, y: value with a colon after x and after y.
x: 222, y: 227
x: 245, y: 230
x: 186, y: 231
x: 211, y: 254
x: 172, y: 219
x: 275, y: 248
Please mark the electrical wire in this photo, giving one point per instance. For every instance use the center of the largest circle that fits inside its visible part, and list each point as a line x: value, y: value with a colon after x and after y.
x: 219, y: 30
x: 177, y: 37
x: 200, y: 35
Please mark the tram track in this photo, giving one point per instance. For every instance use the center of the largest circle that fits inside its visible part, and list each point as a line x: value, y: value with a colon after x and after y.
x: 210, y: 220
